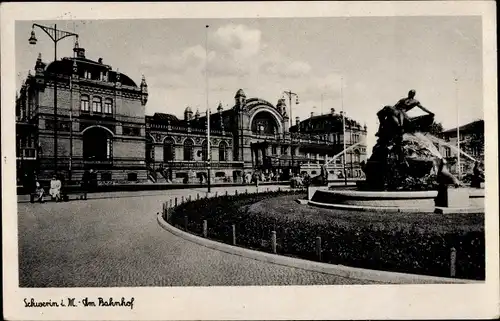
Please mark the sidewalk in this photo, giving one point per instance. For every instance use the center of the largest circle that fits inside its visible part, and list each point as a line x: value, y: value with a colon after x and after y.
x: 180, y: 190
x: 186, y: 192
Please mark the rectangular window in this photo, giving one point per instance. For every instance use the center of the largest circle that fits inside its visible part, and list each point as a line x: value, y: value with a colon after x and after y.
x: 108, y: 106
x: 106, y: 176
x: 49, y: 124
x: 84, y: 104
x: 131, y: 131
x: 97, y: 105
x: 181, y: 175
x: 64, y: 126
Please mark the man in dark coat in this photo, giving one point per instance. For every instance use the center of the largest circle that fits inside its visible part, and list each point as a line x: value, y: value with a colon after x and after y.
x: 86, y: 183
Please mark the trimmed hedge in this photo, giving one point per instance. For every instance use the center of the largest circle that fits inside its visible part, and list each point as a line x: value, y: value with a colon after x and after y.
x: 408, y: 250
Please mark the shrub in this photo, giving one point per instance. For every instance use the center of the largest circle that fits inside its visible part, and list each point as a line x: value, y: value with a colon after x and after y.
x: 398, y: 248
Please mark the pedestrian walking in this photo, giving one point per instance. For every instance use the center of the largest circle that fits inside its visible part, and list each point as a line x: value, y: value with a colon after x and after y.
x: 38, y: 191
x: 30, y: 185
x: 64, y: 192
x: 55, y: 189
x: 256, y: 177
x: 86, y: 180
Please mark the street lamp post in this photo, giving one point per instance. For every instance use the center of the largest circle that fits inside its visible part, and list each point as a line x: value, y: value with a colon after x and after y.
x: 291, y: 94
x: 55, y: 35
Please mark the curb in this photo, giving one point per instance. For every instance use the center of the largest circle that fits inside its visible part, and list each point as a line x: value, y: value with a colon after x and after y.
x: 371, y: 208
x: 459, y: 210
x: 338, y: 270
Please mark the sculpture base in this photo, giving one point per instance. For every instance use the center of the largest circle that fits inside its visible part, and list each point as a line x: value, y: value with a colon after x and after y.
x: 388, y: 200
x: 458, y: 200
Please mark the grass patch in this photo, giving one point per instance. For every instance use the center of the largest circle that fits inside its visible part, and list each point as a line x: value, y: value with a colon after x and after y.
x: 400, y: 242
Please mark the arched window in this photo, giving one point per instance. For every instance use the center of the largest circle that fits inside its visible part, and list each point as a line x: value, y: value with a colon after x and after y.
x: 168, y: 149
x: 97, y: 105
x: 357, y: 156
x: 150, y: 148
x: 204, y: 150
x: 84, y: 103
x: 223, y: 151
x: 108, y: 106
x: 188, y: 150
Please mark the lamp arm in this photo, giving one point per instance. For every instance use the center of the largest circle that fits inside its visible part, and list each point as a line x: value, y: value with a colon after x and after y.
x: 53, y: 33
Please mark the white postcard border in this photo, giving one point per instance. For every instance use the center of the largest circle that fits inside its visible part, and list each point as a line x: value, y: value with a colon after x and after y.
x: 291, y: 302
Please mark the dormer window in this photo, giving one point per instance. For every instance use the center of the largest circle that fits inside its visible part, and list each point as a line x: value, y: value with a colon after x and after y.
x: 87, y: 74
x: 103, y: 76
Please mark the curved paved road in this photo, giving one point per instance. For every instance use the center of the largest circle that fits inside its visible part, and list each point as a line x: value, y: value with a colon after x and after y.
x: 111, y: 242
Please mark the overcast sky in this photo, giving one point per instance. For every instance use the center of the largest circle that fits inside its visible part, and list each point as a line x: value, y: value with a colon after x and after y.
x: 378, y: 58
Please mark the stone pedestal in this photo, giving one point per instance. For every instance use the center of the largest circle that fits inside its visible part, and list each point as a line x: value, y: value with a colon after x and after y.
x: 458, y: 197
x: 312, y: 189
x: 452, y: 197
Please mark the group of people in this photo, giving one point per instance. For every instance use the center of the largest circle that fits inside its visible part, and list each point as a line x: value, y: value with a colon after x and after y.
x: 57, y: 189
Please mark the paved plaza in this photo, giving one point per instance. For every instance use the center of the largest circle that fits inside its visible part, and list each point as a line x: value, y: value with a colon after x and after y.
x: 114, y: 239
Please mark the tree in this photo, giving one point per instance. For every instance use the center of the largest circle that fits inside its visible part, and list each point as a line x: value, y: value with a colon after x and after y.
x: 436, y: 128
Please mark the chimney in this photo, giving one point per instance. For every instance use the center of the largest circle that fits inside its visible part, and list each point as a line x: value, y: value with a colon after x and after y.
x: 332, y: 111
x: 312, y: 114
x: 99, y: 60
x: 297, y: 121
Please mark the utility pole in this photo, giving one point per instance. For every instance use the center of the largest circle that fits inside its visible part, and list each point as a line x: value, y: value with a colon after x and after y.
x: 321, y: 104
x: 290, y: 94
x: 70, y: 165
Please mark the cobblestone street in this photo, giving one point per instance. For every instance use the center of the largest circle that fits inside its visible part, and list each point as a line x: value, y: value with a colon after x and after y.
x: 114, y: 240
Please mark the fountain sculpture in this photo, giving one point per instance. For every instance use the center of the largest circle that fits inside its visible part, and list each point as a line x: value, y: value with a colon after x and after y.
x: 405, y: 171
x: 404, y: 158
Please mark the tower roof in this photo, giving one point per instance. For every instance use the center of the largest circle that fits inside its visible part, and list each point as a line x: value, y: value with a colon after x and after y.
x: 66, y: 66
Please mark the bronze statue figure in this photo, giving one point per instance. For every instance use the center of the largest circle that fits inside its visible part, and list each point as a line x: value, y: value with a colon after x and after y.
x: 393, y: 164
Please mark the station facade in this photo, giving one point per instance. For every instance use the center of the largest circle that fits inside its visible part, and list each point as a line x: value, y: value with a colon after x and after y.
x: 102, y: 125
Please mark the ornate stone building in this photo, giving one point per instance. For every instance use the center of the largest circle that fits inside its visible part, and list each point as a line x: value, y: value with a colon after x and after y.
x: 100, y: 121
x: 101, y: 125
x: 252, y: 135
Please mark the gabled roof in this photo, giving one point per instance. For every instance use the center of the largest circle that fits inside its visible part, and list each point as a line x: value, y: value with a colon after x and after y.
x: 472, y: 126
x: 162, y: 117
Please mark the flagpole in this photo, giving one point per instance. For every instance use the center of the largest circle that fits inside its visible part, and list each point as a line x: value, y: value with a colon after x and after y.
x: 459, y: 168
x: 343, y: 125
x: 208, y: 110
